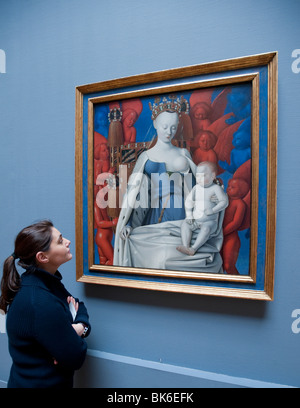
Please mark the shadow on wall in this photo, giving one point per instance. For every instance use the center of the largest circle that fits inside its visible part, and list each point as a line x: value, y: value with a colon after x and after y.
x: 180, y: 301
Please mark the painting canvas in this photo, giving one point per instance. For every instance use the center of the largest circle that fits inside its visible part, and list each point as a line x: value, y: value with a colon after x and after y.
x: 214, y: 126
x: 170, y: 181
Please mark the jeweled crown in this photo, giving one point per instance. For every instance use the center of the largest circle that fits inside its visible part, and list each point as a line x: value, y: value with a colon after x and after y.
x: 165, y: 104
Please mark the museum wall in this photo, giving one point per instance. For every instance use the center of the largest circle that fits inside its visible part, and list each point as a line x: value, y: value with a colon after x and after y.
x: 146, y: 338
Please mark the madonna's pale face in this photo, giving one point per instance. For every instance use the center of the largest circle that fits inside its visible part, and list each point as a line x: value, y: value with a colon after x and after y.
x: 166, y: 125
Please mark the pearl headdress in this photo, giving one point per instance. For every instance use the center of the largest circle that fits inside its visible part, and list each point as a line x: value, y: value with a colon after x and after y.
x: 165, y: 105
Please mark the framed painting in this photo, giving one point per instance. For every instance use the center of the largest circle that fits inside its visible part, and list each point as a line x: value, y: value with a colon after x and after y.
x: 176, y: 179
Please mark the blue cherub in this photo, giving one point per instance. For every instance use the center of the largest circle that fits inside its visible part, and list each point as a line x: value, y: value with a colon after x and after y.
x: 239, y: 103
x: 242, y: 147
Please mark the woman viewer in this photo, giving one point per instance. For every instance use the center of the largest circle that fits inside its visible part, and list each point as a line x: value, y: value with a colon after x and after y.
x: 46, y: 342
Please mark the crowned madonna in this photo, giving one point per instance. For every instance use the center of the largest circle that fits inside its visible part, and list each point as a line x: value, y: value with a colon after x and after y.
x: 153, y: 208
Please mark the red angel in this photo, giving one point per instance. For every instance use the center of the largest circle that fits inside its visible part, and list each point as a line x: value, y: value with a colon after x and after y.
x: 101, y: 160
x: 203, y: 111
x: 131, y: 110
x: 237, y: 216
x: 206, y: 141
x: 102, y: 222
x: 104, y: 234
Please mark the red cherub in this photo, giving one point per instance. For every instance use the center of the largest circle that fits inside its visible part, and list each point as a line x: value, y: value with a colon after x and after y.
x: 131, y: 110
x: 104, y: 233
x: 203, y: 111
x: 102, y: 222
x: 101, y: 160
x: 205, y: 152
x: 203, y: 145
x: 237, y: 216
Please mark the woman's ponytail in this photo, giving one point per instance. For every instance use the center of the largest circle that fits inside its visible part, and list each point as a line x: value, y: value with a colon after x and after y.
x: 37, y: 237
x: 10, y: 282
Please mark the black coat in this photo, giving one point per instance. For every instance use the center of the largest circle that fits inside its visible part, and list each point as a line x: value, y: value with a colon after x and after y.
x: 39, y: 329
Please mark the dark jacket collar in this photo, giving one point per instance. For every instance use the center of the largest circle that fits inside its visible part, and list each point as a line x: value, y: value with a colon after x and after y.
x: 39, y: 277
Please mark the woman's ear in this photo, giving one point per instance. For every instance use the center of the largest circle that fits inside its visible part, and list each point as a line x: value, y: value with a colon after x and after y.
x: 41, y: 257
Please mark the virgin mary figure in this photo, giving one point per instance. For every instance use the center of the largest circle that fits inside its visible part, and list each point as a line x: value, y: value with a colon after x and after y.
x: 148, y: 230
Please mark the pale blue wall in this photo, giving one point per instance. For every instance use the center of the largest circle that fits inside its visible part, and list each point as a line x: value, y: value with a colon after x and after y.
x: 142, y: 338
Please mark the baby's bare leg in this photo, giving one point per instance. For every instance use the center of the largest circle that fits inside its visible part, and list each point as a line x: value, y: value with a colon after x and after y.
x: 202, y: 237
x: 186, y: 233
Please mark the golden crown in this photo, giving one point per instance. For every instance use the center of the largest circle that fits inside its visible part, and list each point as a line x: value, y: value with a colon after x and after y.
x: 165, y: 104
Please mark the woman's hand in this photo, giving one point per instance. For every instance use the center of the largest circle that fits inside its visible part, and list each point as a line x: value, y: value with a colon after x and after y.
x: 70, y: 299
x: 79, y: 328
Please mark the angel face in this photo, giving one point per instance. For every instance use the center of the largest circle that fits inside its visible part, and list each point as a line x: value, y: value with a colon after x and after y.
x: 233, y: 189
x: 205, y: 142
x: 130, y: 118
x: 104, y: 152
x: 101, y: 152
x: 239, y: 97
x: 201, y: 112
x: 237, y: 188
x: 241, y: 139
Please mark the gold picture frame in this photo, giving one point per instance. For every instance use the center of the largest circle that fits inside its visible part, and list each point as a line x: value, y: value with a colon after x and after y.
x: 255, y: 75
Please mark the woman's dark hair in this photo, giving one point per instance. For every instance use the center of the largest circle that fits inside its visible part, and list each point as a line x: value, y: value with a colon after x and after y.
x: 32, y: 239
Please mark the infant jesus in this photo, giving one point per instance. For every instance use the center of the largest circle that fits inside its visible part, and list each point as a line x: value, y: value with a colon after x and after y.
x: 202, y: 207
